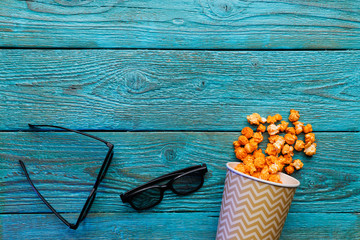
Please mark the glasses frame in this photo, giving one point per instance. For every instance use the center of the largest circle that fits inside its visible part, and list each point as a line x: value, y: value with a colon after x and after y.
x: 127, y: 197
x: 89, y: 201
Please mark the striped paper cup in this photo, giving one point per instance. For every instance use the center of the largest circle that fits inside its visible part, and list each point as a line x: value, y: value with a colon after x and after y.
x: 253, y: 208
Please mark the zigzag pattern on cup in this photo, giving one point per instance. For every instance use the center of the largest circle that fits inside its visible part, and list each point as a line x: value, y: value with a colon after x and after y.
x: 252, y: 209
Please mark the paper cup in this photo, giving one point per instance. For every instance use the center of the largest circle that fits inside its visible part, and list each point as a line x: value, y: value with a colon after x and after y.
x: 253, y: 208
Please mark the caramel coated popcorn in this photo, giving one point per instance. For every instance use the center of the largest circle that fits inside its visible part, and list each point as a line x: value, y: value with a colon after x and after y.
x: 279, y: 151
x: 255, y: 119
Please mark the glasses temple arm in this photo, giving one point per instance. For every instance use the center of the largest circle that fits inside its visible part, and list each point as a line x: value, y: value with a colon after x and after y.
x: 70, y: 130
x: 42, y: 198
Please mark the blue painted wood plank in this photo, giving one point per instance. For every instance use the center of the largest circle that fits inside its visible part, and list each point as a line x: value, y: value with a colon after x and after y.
x: 177, y: 90
x: 201, y: 24
x: 298, y: 226
x: 65, y: 173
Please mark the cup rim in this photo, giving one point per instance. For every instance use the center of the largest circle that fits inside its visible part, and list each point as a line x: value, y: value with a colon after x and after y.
x: 292, y: 182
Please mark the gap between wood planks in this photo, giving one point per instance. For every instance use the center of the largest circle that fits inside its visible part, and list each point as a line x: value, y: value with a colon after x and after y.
x: 190, y: 49
x: 145, y: 130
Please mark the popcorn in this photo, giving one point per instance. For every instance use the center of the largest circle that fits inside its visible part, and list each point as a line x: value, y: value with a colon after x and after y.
x: 248, y: 159
x: 258, y: 137
x: 273, y: 119
x: 240, y: 153
x: 236, y: 144
x: 290, y: 138
x: 288, y: 150
x: 261, y: 128
x: 299, y: 145
x: 264, y: 174
x: 310, y: 137
x: 270, y: 160
x: 273, y: 129
x: 250, y: 167
x: 279, y: 143
x: 297, y: 164
x: 255, y: 119
x: 310, y: 149
x: 283, y: 126
x: 249, y: 148
x: 240, y: 167
x: 279, y: 150
x: 247, y: 132
x: 243, y: 140
x: 298, y: 127
x: 294, y: 115
x: 290, y: 130
x: 307, y: 128
x: 259, y: 162
x: 274, y: 178
x: 271, y: 150
x: 289, y: 169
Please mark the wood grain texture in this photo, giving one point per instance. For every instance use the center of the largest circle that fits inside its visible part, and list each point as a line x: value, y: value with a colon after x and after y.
x: 169, y: 226
x: 177, y: 90
x: 329, y: 180
x: 201, y: 24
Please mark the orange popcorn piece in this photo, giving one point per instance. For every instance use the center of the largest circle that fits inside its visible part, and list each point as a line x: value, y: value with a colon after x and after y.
x: 294, y: 115
x: 310, y: 149
x: 307, y: 128
x: 273, y: 129
x: 270, y: 160
x: 256, y: 174
x: 297, y: 164
x: 255, y: 119
x: 247, y: 132
x: 259, y: 162
x: 274, y: 178
x: 243, y: 140
x: 283, y: 126
x: 274, y: 119
x: 288, y: 150
x: 250, y: 168
x: 287, y: 159
x: 248, y: 159
x: 271, y: 150
x: 309, y: 137
x: 290, y: 130
x: 258, y: 153
x: 275, y: 167
x: 273, y: 138
x: 240, y: 153
x: 280, y: 141
x: 289, y: 169
x: 298, y: 127
x: 236, y: 144
x: 299, y: 145
x: 290, y: 138
x: 261, y: 128
x: 258, y: 137
x: 240, y: 167
x: 264, y: 174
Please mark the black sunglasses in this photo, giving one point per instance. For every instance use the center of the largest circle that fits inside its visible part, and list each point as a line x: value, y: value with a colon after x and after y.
x: 182, y: 182
x: 91, y: 197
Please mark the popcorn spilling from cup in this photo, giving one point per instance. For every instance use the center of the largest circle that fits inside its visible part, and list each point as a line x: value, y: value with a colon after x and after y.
x: 279, y: 150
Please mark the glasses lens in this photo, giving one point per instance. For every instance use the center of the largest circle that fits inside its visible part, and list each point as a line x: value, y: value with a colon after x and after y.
x: 147, y: 198
x: 188, y: 183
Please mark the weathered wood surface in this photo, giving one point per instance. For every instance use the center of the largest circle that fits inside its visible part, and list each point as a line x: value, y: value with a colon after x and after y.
x: 200, y: 24
x: 329, y: 180
x: 177, y: 90
x: 169, y: 226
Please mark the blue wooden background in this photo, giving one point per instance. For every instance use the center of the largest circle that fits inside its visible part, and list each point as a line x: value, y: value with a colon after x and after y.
x: 170, y: 84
